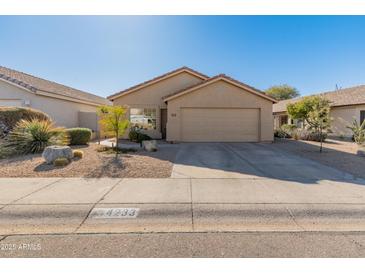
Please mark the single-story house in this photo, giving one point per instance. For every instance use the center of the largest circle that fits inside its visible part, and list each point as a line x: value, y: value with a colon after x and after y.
x: 66, y: 106
x: 187, y: 106
x: 346, y: 105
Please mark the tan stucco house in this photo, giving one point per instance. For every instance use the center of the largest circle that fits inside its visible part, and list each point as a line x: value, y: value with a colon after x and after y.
x: 67, y: 106
x: 346, y: 105
x: 187, y: 106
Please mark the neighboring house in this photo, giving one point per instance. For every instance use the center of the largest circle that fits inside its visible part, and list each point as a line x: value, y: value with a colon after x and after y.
x: 186, y: 105
x: 66, y: 106
x: 346, y: 105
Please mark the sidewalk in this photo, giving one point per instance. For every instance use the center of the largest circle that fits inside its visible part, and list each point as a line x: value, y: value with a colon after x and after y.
x: 63, y: 205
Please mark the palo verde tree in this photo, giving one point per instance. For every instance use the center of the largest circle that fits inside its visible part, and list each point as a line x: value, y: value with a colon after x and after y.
x: 315, y: 112
x: 113, y: 120
x: 282, y: 92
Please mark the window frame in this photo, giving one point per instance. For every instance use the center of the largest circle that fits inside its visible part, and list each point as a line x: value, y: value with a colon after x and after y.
x: 149, y: 113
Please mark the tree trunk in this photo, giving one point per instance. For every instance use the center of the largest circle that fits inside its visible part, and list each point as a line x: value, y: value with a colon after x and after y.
x: 320, y: 138
x: 117, y: 145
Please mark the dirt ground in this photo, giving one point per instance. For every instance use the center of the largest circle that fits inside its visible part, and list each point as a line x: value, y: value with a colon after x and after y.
x: 140, y: 164
x: 338, y: 154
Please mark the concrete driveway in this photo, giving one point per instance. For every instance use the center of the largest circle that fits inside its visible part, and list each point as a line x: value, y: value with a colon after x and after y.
x: 249, y: 160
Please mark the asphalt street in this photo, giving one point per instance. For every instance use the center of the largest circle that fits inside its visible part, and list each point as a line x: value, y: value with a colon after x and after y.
x: 177, y: 245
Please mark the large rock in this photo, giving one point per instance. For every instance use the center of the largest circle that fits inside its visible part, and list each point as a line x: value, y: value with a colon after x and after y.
x: 51, y: 153
x: 150, y: 145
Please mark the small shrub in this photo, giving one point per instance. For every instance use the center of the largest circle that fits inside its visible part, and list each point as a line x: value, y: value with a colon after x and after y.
x: 314, y: 136
x: 61, y: 161
x: 10, y: 116
x: 5, y: 151
x: 285, y: 131
x: 358, y: 131
x: 133, y: 135
x: 113, y: 149
x: 79, y: 136
x: 137, y: 136
x: 78, y: 153
x: 289, y: 128
x: 307, y: 135
x: 34, y: 135
x: 143, y: 137
x: 295, y: 136
x: 127, y: 150
x: 102, y: 148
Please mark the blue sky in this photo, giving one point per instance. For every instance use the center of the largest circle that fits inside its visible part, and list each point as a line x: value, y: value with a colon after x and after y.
x: 104, y: 54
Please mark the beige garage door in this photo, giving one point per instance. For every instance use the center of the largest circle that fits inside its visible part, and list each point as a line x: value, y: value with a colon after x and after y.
x: 220, y: 125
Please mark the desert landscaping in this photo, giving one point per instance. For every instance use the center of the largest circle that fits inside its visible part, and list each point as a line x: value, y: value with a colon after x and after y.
x: 139, y: 164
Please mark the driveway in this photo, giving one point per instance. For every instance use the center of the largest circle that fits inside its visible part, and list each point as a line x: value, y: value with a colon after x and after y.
x: 250, y: 160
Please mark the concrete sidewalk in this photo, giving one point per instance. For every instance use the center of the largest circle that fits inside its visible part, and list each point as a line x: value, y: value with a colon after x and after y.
x: 63, y: 205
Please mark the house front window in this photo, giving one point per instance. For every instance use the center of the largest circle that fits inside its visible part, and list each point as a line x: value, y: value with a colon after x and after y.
x: 143, y: 118
x: 283, y: 120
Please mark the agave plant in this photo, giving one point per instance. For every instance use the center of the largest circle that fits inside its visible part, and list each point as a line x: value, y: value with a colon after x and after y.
x: 358, y: 131
x: 32, y: 136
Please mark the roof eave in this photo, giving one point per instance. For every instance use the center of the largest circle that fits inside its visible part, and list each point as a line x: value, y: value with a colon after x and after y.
x: 68, y: 98
x: 138, y: 87
x: 215, y: 79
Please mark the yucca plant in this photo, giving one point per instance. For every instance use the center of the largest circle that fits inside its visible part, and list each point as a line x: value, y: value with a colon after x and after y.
x: 32, y: 136
x: 358, y: 131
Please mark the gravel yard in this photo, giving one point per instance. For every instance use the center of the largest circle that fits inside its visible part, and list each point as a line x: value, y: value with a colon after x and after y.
x: 338, y: 154
x: 140, y: 164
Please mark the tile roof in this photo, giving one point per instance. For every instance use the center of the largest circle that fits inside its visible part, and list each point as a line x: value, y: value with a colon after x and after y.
x: 216, y: 77
x: 34, y: 84
x: 203, y: 76
x: 341, y: 97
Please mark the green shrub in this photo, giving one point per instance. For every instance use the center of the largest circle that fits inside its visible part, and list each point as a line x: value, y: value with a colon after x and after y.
x: 137, y: 136
x: 5, y: 151
x: 308, y: 135
x: 10, y: 116
x: 78, y: 153
x: 316, y: 136
x: 79, y: 136
x: 107, y: 149
x: 285, y: 131
x: 143, y: 137
x: 61, y: 161
x: 34, y: 135
x: 133, y: 135
x: 358, y: 131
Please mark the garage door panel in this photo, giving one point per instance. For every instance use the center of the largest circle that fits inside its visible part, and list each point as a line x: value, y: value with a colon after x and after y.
x: 219, y: 125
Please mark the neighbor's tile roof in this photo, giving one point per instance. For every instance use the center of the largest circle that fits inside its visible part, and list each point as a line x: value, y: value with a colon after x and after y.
x: 34, y: 83
x: 215, y: 77
x: 158, y: 78
x: 341, y: 97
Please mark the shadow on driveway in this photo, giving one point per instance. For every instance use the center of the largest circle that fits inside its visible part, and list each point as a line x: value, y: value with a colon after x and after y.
x: 252, y: 160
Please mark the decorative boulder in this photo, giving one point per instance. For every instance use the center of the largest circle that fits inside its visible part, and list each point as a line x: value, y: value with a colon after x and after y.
x: 150, y: 145
x: 51, y: 153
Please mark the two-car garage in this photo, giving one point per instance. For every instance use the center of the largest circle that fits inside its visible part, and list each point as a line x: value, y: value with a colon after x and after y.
x: 220, y: 125
x: 219, y: 110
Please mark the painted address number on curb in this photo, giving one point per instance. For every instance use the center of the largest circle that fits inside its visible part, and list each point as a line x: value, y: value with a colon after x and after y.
x: 114, y: 213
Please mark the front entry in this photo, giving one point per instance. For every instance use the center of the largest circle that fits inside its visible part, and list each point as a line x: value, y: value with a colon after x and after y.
x: 163, y: 122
